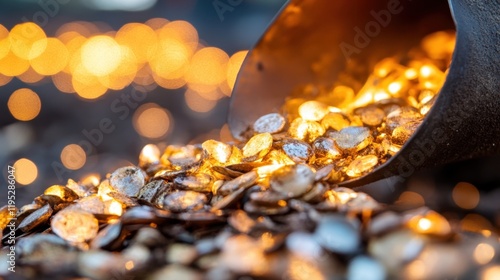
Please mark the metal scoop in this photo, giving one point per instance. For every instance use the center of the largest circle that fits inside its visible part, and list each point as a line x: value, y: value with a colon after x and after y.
x: 311, y: 41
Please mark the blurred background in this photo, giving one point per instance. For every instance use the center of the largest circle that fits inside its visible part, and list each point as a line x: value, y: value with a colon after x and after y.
x: 85, y: 84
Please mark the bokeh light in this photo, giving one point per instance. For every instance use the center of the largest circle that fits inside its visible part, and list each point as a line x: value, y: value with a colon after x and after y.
x: 152, y: 121
x: 465, y: 195
x: 62, y: 81
x: 86, y: 29
x: 484, y: 253
x: 12, y: 65
x: 411, y: 199
x: 491, y: 273
x: 73, y: 157
x: 156, y: 23
x: 5, y: 79
x: 90, y: 58
x: 4, y: 41
x: 24, y: 104
x: 177, y: 41
x: 26, y: 171
x: 101, y: 55
x: 197, y: 103
x: 475, y: 223
x: 28, y: 40
x: 170, y: 62
x: 181, y: 31
x: 88, y: 87
x: 30, y: 76
x: 144, y: 76
x: 53, y: 59
x: 140, y: 38
x: 207, y: 69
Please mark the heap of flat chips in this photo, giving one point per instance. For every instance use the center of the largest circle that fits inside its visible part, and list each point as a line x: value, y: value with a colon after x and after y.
x: 266, y: 208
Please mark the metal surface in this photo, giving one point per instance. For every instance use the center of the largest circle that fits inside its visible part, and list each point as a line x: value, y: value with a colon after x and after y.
x: 304, y: 45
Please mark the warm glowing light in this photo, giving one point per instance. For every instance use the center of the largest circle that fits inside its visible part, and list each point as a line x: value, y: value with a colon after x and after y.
x: 175, y: 83
x: 465, y: 195
x: 62, y: 81
x: 53, y: 59
x: 24, y: 104
x: 486, y: 233
x: 424, y: 224
x: 26, y: 171
x: 4, y: 80
x: 385, y: 66
x: 84, y: 28
x: 178, y: 30
x: 197, y: 103
x: 73, y: 157
x: 30, y: 76
x: 67, y: 36
x: 426, y: 71
x: 129, y: 265
x: 279, y: 157
x: 207, y: 69
x: 91, y: 59
x: 144, y: 76
x: 4, y: 41
x: 156, y: 23
x: 176, y: 44
x: 149, y: 154
x: 91, y: 179
x: 345, y: 197
x: 87, y: 87
x: 417, y: 269
x: 313, y: 110
x: 411, y: 74
x: 266, y: 170
x: 75, y: 60
x: 115, y: 208
x: 394, y: 87
x: 411, y: 199
x: 11, y: 65
x: 302, y: 269
x: 380, y: 95
x: 484, y: 253
x: 217, y: 150
x: 213, y: 95
x: 28, y: 40
x: 233, y: 67
x: 171, y: 60
x: 475, y: 223
x: 430, y: 223
x: 124, y: 74
x: 101, y: 55
x: 140, y: 38
x: 152, y: 121
x: 439, y: 45
x: 305, y: 130
x: 491, y: 273
x: 55, y: 190
x: 103, y: 190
